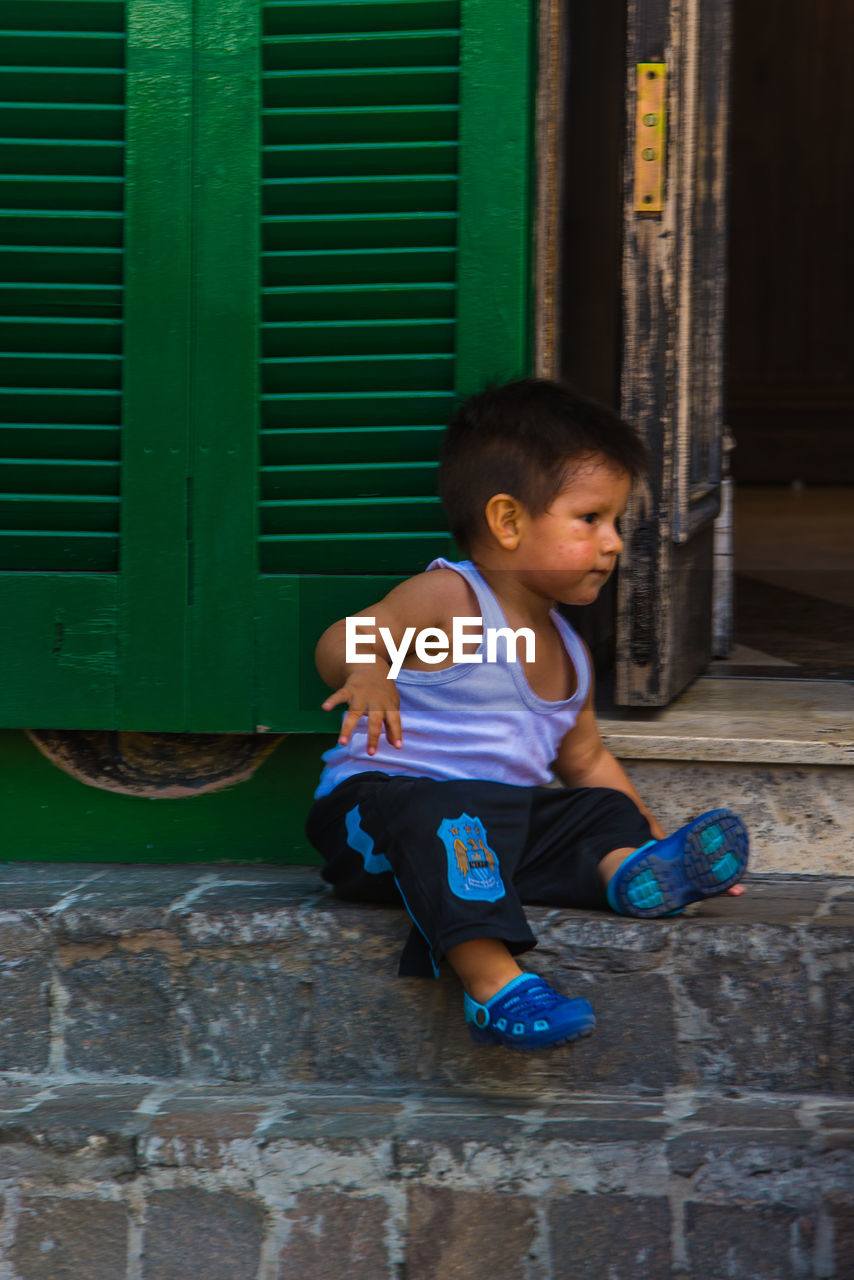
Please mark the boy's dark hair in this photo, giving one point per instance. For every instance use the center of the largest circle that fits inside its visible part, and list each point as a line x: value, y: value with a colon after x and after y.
x: 523, y: 439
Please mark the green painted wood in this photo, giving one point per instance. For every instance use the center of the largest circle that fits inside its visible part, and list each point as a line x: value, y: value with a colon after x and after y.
x: 225, y: 364
x: 497, y: 92
x: 293, y: 611
x: 64, y: 628
x: 64, y: 550
x: 357, y: 481
x: 391, y: 122
x: 51, y: 817
x: 62, y: 475
x: 301, y: 517
x: 292, y: 17
x: 25, y: 512
x: 159, y: 325
x: 89, y: 15
x: 357, y: 445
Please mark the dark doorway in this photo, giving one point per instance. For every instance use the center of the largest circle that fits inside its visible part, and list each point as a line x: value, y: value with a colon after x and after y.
x: 591, y: 242
x: 791, y: 336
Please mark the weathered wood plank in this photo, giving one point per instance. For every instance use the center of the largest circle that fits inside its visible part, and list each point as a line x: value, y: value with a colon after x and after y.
x: 672, y: 372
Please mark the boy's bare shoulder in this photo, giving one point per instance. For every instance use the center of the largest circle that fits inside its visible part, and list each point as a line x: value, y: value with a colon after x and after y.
x: 430, y: 599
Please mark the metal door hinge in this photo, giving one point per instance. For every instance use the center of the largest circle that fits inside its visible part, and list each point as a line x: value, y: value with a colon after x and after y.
x: 650, y: 136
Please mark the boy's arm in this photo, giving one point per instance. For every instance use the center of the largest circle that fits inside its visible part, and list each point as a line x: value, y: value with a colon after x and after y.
x: 427, y: 600
x: 585, y: 761
x: 367, y: 687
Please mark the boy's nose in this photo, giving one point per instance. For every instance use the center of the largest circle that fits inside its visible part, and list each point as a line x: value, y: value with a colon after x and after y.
x: 611, y: 540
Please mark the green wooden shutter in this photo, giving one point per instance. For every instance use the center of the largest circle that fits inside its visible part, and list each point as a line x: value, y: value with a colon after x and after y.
x: 395, y: 271
x: 327, y: 235
x: 61, y: 202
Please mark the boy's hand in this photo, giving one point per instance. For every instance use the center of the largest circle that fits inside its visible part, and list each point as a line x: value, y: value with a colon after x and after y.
x: 369, y: 692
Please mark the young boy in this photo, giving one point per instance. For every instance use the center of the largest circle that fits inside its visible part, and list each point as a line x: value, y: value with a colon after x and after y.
x: 436, y: 794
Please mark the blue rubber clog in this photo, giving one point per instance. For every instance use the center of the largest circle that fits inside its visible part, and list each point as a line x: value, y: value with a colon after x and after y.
x: 698, y: 861
x: 528, y: 1014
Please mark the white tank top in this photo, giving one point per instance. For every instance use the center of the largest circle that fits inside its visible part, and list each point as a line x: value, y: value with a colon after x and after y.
x: 471, y: 720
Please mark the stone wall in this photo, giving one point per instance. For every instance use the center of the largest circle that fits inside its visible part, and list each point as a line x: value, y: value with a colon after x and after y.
x: 215, y: 1072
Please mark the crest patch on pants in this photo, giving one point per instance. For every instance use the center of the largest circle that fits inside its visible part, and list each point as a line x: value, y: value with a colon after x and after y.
x: 473, y: 871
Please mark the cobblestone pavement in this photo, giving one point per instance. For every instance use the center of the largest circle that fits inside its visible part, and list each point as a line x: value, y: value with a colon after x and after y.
x: 168, y: 1182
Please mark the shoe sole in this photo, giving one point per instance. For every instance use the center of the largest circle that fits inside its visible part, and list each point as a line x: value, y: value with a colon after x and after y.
x: 706, y: 857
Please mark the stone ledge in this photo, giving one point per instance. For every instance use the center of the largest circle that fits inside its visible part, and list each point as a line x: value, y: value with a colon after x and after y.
x: 762, y: 721
x: 236, y: 1184
x: 86, y: 901
x: 258, y: 975
x: 143, y: 1126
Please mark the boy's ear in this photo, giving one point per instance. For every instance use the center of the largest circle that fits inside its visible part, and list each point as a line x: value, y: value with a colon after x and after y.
x: 504, y: 516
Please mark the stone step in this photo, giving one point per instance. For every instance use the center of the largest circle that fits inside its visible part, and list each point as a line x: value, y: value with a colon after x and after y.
x: 256, y: 975
x: 779, y: 752
x: 182, y: 1182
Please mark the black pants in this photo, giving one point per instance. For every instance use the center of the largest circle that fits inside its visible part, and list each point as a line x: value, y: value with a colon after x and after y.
x: 464, y: 856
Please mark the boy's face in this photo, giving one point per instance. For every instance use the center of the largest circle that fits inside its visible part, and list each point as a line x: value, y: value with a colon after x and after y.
x: 569, y: 552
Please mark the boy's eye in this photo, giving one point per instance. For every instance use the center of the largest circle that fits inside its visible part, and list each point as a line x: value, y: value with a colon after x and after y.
x: 591, y: 517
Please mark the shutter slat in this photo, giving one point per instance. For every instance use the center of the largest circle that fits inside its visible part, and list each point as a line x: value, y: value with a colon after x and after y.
x: 81, y: 194
x: 364, y: 87
x: 82, y: 441
x: 88, y: 159
x: 71, y: 120
x: 389, y: 122
x: 25, y: 512
x: 368, y: 266
x: 358, y: 373
x: 351, y: 445
x: 349, y: 302
x: 355, y: 409
x: 359, y: 231
x: 318, y: 160
x: 60, y: 334
x: 362, y: 480
x: 62, y: 84
x: 46, y: 15
x: 83, y: 229
x: 33, y: 265
x: 376, y: 49
x: 73, y: 299
x: 412, y: 193
x: 51, y: 372
x: 59, y: 476
x: 299, y: 517
x: 299, y: 17
x: 375, y: 337
x: 46, y: 404
x: 402, y: 552
x: 96, y: 50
